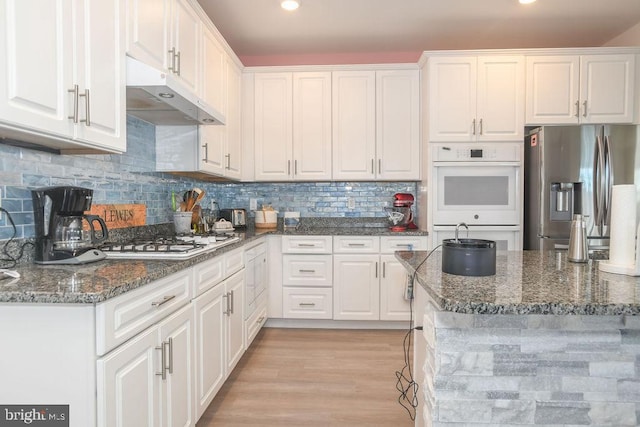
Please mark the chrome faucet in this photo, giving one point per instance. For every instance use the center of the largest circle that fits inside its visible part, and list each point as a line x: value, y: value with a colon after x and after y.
x: 462, y: 224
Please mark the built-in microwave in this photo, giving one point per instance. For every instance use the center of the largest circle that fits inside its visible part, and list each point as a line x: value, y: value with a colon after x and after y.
x: 478, y: 184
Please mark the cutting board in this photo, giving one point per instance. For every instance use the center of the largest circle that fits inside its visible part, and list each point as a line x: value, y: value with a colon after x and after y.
x: 121, y: 216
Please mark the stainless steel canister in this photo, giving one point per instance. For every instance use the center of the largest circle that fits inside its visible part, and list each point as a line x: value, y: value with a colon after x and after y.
x: 578, y: 250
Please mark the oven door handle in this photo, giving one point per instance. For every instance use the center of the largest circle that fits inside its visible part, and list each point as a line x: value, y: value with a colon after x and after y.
x: 479, y: 164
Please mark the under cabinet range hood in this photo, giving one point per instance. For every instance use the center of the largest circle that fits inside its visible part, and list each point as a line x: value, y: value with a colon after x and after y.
x: 159, y: 98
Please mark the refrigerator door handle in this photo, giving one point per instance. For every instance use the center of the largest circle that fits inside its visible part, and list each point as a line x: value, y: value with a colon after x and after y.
x: 598, y: 165
x: 608, y: 180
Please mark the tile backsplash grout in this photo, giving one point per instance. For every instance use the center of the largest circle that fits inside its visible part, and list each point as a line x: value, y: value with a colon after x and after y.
x: 131, y: 178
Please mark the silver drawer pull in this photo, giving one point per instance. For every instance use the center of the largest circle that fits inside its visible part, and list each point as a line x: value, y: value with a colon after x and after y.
x: 403, y: 245
x: 307, y: 304
x: 163, y: 361
x: 307, y: 271
x: 260, y: 320
x: 356, y: 244
x: 306, y: 245
x: 165, y: 300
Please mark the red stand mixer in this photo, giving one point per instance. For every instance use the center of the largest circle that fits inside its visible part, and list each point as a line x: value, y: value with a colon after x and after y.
x: 400, y: 214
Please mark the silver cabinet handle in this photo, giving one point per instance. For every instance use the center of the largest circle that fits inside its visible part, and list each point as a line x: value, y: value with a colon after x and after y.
x: 179, y: 63
x: 306, y: 271
x: 163, y: 361
x: 295, y: 167
x: 379, y: 165
x: 170, y: 345
x: 384, y: 270
x: 474, y: 126
x: 376, y: 269
x: 372, y: 170
x: 584, y: 109
x: 76, y: 95
x: 87, y: 108
x: 288, y: 167
x: 306, y: 245
x: 307, y: 304
x: 172, y: 53
x: 232, y: 301
x: 165, y: 300
x: 228, y: 157
x: 228, y: 310
x: 206, y: 152
x: 480, y: 133
x: 356, y: 244
x: 577, y: 108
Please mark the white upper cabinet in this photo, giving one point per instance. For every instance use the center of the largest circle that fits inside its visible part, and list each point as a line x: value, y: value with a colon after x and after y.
x: 476, y: 98
x: 214, y: 60
x: 376, y: 125
x: 166, y: 34
x: 63, y: 85
x: 570, y: 89
x: 292, y: 126
x: 354, y: 124
x: 398, y: 125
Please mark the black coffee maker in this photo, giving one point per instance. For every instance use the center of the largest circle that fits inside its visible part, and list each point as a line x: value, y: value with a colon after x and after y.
x: 64, y: 234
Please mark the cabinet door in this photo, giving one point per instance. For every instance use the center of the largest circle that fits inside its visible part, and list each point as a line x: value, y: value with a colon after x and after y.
x: 212, y: 149
x: 393, y: 305
x: 186, y: 36
x: 36, y: 66
x: 101, y: 74
x: 452, y: 99
x: 398, y: 125
x: 235, y: 319
x: 177, y: 338
x: 607, y: 88
x: 312, y: 126
x: 273, y: 126
x: 209, y: 310
x: 500, y: 102
x: 356, y: 290
x: 147, y: 25
x: 128, y: 384
x: 354, y: 125
x: 552, y: 89
x: 233, y: 127
x: 214, y: 73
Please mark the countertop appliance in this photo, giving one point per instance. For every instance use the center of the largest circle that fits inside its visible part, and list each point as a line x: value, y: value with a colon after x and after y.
x: 64, y: 234
x: 167, y: 247
x: 571, y: 170
x: 401, y: 214
x: 237, y: 217
x: 159, y: 98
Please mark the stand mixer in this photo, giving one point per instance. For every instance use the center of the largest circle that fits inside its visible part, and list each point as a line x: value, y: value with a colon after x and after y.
x: 400, y: 215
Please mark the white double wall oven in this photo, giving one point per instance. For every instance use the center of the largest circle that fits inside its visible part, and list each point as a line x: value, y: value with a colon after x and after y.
x: 479, y: 184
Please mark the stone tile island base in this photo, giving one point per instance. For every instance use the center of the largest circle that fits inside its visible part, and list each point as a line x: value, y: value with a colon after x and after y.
x: 519, y: 370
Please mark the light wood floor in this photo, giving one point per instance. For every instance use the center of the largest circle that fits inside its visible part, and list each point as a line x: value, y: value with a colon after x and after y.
x: 314, y: 377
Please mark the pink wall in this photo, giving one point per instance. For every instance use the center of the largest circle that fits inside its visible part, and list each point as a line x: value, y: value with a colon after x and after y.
x: 331, y: 59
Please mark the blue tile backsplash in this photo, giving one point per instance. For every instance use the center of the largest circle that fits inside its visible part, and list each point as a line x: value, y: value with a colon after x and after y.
x: 130, y: 178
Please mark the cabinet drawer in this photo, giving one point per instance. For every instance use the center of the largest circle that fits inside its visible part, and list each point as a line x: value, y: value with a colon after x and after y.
x: 390, y: 244
x: 356, y: 244
x: 307, y: 270
x: 207, y: 274
x: 121, y: 318
x: 306, y: 244
x: 233, y: 261
x: 307, y: 303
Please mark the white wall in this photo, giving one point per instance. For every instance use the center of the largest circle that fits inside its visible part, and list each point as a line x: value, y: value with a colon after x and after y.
x: 631, y: 37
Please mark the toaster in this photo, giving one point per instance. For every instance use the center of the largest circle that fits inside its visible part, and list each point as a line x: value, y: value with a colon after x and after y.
x: 237, y: 217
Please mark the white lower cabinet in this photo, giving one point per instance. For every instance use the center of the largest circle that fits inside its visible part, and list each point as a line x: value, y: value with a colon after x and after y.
x: 356, y: 293
x: 307, y: 303
x: 148, y: 381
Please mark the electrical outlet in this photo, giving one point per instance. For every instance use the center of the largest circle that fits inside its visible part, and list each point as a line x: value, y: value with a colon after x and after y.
x: 351, y: 203
x: 253, y: 204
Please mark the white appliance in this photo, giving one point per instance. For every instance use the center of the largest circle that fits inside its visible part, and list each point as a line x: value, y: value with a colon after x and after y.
x: 480, y: 185
x: 255, y: 272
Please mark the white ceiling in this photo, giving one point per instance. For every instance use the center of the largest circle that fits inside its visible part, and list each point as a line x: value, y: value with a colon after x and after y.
x: 262, y: 28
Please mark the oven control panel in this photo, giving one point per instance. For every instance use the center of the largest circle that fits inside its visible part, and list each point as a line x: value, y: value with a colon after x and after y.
x: 456, y: 152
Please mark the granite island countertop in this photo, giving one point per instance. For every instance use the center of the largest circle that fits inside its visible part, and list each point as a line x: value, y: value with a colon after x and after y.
x: 99, y: 281
x: 527, y: 282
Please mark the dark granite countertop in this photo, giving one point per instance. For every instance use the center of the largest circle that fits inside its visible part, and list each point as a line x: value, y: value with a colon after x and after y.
x: 527, y: 282
x: 96, y: 282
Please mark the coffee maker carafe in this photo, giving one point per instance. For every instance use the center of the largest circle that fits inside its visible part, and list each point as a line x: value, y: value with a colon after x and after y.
x: 64, y: 234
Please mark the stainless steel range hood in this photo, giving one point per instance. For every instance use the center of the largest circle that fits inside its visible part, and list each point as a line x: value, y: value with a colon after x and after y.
x: 158, y: 97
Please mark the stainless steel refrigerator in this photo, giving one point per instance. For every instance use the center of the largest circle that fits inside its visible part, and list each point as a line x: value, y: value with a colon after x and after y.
x: 570, y: 170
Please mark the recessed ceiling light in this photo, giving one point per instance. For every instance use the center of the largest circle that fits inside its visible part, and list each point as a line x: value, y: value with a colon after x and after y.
x: 289, y: 4
x: 526, y: 1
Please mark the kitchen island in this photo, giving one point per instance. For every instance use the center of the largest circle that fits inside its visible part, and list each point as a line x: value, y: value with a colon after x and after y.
x: 543, y: 342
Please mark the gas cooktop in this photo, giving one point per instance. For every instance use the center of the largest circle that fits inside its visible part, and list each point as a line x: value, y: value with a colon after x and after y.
x: 167, y: 248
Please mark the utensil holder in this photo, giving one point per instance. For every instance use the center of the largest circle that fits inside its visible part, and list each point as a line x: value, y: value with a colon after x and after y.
x: 182, y: 222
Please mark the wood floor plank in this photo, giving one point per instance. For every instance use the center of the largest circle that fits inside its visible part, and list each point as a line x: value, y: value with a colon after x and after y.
x: 314, y: 377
